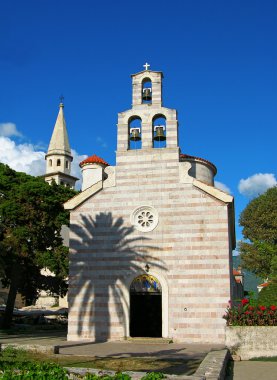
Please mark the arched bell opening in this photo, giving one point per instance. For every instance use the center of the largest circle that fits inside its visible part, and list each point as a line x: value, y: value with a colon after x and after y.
x: 146, y: 307
x: 159, y: 131
x: 146, y: 88
x: 134, y: 131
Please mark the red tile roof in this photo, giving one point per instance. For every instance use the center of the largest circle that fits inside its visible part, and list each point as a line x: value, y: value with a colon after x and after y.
x: 264, y: 284
x: 184, y: 156
x: 93, y: 160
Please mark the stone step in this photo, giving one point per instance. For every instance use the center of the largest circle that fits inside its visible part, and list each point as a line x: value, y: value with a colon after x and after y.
x: 149, y: 340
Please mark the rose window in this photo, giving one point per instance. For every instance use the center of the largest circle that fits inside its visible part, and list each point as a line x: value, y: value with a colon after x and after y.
x: 144, y: 218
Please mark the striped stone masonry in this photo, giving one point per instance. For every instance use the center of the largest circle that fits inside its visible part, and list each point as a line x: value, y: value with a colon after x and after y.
x: 188, y: 251
x: 156, y: 79
x: 147, y: 116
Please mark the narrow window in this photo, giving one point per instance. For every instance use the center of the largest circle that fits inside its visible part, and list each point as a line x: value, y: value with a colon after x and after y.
x: 50, y: 162
x: 66, y: 164
x: 58, y: 162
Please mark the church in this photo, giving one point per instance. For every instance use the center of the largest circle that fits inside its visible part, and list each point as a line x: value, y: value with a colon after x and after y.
x: 151, y: 238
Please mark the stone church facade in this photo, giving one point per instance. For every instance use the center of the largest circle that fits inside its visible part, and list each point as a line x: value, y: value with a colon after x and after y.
x: 151, y: 238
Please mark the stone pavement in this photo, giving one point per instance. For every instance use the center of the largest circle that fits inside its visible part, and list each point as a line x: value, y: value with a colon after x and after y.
x: 131, y: 349
x: 56, y: 341
x: 49, y: 339
x: 44, y: 338
x: 254, y: 370
x: 244, y: 370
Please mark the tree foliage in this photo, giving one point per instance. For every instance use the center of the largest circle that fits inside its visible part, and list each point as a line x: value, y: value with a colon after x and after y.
x: 259, y: 222
x: 31, y: 217
x: 268, y: 295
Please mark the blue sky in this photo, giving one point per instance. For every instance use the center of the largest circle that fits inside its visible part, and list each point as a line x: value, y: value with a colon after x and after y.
x: 219, y: 62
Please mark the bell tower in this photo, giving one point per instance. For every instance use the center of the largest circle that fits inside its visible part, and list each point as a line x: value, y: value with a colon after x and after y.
x: 58, y: 157
x: 147, y: 87
x: 147, y: 126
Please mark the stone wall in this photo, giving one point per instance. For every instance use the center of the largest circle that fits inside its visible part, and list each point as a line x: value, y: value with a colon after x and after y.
x: 252, y: 341
x: 188, y: 250
x: 189, y: 253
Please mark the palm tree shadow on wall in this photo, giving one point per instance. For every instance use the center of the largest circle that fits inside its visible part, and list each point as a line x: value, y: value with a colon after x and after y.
x: 104, y: 254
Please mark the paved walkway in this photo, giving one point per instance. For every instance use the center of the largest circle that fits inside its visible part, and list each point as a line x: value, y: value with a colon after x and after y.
x: 248, y: 370
x: 244, y: 370
x: 107, y: 349
x: 45, y: 338
x: 128, y: 349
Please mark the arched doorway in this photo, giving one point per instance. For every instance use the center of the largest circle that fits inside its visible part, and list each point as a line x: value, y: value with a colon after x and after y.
x: 145, y: 307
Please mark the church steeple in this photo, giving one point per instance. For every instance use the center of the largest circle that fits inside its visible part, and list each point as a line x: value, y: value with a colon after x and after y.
x: 58, y: 157
x: 148, y: 125
x: 59, y: 142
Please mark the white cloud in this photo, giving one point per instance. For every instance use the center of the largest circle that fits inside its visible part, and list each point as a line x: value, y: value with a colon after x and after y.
x: 21, y: 157
x: 222, y: 187
x: 75, y: 168
x: 28, y: 159
x: 256, y: 184
x: 8, y: 130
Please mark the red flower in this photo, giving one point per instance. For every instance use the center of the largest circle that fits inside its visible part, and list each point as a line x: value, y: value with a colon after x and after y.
x: 263, y: 308
x: 273, y: 307
x: 247, y: 312
x: 251, y: 308
x: 244, y: 301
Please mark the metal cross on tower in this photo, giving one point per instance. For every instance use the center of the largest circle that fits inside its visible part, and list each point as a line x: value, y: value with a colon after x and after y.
x: 146, y: 66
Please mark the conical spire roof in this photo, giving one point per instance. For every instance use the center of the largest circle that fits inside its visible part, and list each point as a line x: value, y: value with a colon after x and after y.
x: 59, y: 143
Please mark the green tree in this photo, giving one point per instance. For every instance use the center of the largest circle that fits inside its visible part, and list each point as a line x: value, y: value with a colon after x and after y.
x: 268, y: 295
x: 259, y: 222
x: 31, y: 217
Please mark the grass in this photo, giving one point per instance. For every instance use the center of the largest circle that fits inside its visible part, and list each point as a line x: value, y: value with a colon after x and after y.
x: 264, y: 359
x: 167, y: 366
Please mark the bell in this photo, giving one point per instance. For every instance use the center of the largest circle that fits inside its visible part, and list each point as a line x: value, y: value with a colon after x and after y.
x: 146, y: 94
x: 159, y: 135
x: 135, y: 134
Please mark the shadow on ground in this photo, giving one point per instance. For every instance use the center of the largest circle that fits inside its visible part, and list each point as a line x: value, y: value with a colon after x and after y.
x: 169, y: 358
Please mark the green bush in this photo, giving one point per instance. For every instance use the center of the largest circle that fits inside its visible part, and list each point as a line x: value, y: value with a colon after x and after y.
x: 16, y: 365
x: 153, y: 376
x: 268, y: 295
x: 31, y: 371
